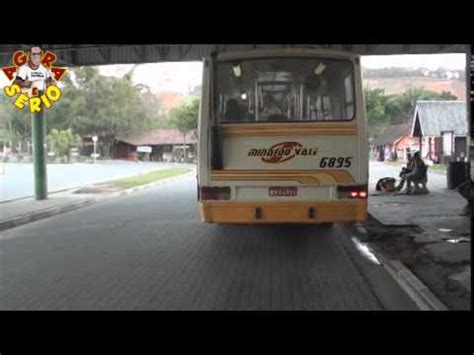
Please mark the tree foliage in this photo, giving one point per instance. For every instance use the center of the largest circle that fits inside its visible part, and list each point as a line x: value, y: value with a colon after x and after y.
x: 15, y: 123
x: 384, y: 110
x: 185, y: 117
x: 61, y: 141
x: 375, y: 102
x: 91, y: 104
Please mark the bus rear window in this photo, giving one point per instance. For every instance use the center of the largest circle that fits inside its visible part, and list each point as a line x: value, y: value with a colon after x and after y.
x: 285, y: 89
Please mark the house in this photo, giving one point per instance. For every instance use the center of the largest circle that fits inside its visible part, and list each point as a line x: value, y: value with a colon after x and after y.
x: 393, y: 143
x: 452, y: 75
x: 441, y: 130
x: 155, y: 145
x: 87, y: 145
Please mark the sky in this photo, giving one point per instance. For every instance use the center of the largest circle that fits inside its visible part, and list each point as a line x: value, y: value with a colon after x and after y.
x: 184, y: 76
x: 174, y: 76
x: 180, y: 76
x: 428, y: 61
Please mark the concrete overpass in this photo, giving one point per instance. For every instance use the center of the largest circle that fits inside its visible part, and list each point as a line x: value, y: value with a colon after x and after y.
x: 103, y: 54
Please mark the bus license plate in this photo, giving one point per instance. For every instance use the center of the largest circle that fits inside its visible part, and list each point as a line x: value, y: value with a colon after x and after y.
x: 283, y: 191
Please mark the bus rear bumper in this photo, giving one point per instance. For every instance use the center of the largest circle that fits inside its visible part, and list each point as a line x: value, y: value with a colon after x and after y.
x: 283, y: 212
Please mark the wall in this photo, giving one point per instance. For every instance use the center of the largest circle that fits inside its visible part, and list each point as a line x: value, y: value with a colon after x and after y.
x: 124, y: 151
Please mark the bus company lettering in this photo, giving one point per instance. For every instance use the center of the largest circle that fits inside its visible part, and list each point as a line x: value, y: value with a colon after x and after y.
x: 282, y: 152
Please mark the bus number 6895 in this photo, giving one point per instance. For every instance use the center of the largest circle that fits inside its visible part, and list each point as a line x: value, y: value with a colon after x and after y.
x: 332, y: 162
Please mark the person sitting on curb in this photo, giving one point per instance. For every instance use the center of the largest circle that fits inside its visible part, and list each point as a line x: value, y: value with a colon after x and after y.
x: 418, y: 175
x: 405, y: 171
x: 466, y: 189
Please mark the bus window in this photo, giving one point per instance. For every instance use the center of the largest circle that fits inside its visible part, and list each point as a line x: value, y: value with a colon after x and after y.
x: 285, y: 89
x: 349, y: 105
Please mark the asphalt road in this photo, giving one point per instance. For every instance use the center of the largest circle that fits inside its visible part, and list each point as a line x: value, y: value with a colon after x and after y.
x: 148, y: 251
x: 17, y: 179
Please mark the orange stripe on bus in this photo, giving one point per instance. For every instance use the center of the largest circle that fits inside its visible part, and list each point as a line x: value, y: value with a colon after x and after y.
x: 300, y: 129
x: 275, y: 133
x: 302, y: 176
x: 297, y: 130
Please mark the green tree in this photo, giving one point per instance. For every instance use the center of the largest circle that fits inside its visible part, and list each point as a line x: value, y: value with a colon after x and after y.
x: 61, y: 141
x: 64, y: 113
x: 401, y: 108
x: 185, y: 118
x: 91, y: 104
x: 105, y: 106
x: 384, y: 110
x: 17, y: 123
x: 375, y: 102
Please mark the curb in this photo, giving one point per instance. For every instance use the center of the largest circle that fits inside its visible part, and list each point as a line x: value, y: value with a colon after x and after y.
x: 142, y: 187
x: 388, y: 225
x: 53, y: 211
x: 42, y: 214
x: 419, y: 293
x: 417, y: 290
x: 27, y: 197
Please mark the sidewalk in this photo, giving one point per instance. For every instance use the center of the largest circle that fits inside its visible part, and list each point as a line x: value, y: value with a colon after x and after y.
x: 26, y: 210
x: 426, y: 232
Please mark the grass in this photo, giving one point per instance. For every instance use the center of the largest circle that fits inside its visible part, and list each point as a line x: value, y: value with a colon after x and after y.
x: 149, y: 177
x: 438, y: 168
x: 394, y: 163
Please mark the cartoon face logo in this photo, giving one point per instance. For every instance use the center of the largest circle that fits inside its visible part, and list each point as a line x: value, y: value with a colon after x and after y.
x: 33, y: 79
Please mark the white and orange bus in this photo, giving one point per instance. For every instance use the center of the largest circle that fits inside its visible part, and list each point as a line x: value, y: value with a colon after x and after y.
x: 282, y: 138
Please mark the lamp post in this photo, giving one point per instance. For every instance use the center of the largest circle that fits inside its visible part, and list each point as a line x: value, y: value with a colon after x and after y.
x: 95, y: 139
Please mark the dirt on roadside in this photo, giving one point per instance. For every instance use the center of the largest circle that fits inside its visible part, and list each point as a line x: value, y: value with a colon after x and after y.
x: 97, y: 189
x: 398, y: 243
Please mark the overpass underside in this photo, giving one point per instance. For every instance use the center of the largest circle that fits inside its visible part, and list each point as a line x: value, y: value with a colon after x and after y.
x: 103, y: 54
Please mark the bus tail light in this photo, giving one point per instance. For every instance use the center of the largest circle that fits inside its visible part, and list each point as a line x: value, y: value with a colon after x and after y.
x: 214, y: 193
x: 353, y: 191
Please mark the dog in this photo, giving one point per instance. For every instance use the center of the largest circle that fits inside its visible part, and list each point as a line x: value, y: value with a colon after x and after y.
x: 386, y: 184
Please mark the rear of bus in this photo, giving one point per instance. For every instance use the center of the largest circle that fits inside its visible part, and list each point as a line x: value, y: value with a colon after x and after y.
x: 282, y: 138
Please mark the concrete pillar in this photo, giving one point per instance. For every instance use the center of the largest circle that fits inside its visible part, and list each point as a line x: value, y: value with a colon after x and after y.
x: 39, y: 154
